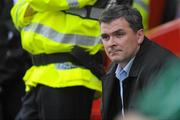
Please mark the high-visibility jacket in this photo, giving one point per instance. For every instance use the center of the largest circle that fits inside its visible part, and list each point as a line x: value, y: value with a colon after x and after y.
x: 56, y: 26
x: 143, y: 7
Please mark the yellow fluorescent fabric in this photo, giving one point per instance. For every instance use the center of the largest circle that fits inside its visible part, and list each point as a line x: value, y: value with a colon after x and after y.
x: 143, y: 7
x: 56, y: 32
x: 62, y: 25
x: 50, y: 76
x: 56, y: 5
x: 18, y: 13
x: 36, y: 44
x: 66, y: 23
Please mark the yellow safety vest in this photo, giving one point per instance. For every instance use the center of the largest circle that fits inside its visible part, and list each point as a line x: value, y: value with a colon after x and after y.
x: 143, y: 7
x: 56, y: 27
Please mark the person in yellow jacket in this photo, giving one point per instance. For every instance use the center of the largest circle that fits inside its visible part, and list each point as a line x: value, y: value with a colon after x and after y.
x: 143, y: 6
x: 62, y: 37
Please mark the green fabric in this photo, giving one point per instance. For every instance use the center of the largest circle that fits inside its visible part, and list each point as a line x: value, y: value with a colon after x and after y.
x: 161, y: 100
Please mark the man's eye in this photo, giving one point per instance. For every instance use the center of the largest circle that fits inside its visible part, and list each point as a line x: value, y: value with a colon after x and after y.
x: 105, y: 37
x: 119, y: 35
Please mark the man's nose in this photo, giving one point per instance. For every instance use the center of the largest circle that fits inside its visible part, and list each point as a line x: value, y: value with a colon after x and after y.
x: 112, y: 40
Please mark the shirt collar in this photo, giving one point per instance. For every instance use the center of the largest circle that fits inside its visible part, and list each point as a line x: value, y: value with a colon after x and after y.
x: 119, y: 69
x: 128, y: 66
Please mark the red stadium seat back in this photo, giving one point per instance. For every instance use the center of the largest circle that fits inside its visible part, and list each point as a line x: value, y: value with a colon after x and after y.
x: 167, y: 35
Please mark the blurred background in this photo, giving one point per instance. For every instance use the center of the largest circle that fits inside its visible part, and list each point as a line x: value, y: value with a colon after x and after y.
x: 162, y: 25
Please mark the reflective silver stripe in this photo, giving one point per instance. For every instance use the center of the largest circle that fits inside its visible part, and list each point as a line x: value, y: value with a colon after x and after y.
x: 94, y: 13
x: 142, y: 4
x: 66, y: 65
x: 60, y: 37
x: 73, y: 3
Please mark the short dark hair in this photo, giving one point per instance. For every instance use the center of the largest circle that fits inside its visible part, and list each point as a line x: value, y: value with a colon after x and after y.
x: 131, y: 15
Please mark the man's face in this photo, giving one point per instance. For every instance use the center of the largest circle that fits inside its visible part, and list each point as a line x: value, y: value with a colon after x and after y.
x: 121, y: 43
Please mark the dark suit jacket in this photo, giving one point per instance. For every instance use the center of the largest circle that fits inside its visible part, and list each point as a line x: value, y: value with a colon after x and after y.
x: 148, y: 62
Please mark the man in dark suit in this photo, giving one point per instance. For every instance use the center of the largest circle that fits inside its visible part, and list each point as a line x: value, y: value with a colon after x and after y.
x: 135, y: 59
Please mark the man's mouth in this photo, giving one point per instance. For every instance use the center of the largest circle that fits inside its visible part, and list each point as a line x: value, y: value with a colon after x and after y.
x: 114, y: 52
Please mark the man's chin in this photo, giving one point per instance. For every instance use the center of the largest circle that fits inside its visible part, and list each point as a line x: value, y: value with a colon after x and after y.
x: 116, y: 60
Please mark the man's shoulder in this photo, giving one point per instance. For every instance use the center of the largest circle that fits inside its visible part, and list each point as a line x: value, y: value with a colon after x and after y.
x: 151, y: 57
x: 155, y: 51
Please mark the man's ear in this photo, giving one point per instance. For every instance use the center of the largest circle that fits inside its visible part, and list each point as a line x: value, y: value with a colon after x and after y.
x: 140, y: 36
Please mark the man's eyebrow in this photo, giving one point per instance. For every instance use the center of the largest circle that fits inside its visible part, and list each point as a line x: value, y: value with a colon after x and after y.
x: 119, y: 30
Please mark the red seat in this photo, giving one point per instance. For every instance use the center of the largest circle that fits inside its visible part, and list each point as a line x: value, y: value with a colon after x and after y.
x: 95, y: 114
x: 156, y: 11
x: 167, y: 35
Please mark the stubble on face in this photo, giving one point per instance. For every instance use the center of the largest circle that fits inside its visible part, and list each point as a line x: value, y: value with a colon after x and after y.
x: 124, y: 45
